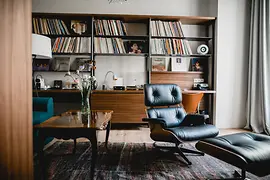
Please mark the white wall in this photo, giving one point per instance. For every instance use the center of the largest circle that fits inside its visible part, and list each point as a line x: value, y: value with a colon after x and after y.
x: 232, y: 67
x: 152, y: 7
x: 129, y: 68
x: 232, y: 37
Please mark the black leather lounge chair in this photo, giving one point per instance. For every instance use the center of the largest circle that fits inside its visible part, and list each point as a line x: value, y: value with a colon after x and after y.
x: 169, y: 122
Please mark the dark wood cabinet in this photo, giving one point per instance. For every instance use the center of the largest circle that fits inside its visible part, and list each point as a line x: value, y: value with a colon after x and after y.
x: 128, y: 107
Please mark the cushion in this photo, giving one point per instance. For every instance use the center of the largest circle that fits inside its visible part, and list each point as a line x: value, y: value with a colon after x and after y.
x: 172, y: 116
x: 248, y: 151
x: 40, y: 107
x: 162, y: 94
x: 191, y: 133
x: 39, y: 117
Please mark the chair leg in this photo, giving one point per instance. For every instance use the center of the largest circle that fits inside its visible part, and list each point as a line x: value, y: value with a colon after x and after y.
x: 237, y: 176
x: 182, y: 155
x: 241, y: 176
x: 74, y: 148
x: 179, y: 150
x: 184, y: 150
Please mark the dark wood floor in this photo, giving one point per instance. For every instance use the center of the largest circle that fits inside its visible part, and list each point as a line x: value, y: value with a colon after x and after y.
x: 137, y: 134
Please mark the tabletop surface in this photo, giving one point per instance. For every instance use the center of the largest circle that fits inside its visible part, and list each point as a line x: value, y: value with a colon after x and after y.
x: 96, y: 119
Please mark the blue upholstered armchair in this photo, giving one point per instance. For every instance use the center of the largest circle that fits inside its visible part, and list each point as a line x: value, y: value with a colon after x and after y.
x: 42, y: 110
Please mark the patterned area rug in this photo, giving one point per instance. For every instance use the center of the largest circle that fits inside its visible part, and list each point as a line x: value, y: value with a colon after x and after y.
x: 128, y: 161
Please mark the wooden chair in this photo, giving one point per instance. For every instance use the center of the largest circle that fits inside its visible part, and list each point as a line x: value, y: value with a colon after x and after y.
x: 191, y: 102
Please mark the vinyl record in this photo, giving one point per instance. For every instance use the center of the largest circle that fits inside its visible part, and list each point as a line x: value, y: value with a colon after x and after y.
x: 202, y: 49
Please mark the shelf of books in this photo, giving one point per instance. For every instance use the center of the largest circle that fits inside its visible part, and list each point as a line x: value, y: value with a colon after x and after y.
x: 169, y: 44
x: 174, y: 59
x: 79, y: 45
x: 167, y: 39
x: 47, y: 26
x: 110, y: 27
x: 70, y: 36
x: 112, y: 39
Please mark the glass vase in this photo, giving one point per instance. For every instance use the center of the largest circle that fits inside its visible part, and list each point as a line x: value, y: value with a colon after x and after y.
x: 85, y: 108
x: 85, y: 94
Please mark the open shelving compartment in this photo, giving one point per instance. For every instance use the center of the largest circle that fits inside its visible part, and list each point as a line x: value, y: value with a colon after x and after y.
x: 197, y: 30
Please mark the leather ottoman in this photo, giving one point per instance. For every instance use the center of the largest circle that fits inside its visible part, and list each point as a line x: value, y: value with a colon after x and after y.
x: 248, y: 151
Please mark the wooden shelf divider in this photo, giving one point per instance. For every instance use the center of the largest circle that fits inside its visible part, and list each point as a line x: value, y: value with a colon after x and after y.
x: 187, y: 38
x: 119, y: 54
x: 184, y: 55
x: 123, y: 37
x: 176, y: 72
x: 89, y: 54
x: 66, y: 35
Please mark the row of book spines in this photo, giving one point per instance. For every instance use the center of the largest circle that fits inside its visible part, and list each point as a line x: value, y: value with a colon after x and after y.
x: 72, y: 45
x: 110, y: 27
x: 167, y: 28
x: 109, y: 45
x: 171, y: 46
x: 49, y: 26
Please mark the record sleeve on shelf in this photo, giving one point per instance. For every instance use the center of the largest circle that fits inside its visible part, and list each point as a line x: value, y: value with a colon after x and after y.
x: 180, y: 64
x: 136, y: 47
x: 159, y: 64
x: 197, y: 64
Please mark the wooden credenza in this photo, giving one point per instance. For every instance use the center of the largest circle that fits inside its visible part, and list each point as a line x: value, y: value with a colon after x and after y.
x: 127, y: 106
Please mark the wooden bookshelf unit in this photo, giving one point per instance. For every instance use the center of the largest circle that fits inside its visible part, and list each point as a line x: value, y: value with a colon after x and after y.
x: 110, y: 33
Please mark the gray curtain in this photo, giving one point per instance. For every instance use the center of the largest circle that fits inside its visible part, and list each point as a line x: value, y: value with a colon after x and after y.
x: 258, y: 100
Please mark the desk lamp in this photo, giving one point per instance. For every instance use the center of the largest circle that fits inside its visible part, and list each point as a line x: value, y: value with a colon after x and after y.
x: 114, y: 78
x: 41, y: 49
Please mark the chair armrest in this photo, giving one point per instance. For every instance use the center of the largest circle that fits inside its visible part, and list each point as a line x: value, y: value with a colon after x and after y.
x: 43, y: 104
x: 155, y: 121
x: 193, y: 119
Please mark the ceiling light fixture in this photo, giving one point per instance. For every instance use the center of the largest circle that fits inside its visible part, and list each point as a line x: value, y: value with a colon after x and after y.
x: 117, y: 1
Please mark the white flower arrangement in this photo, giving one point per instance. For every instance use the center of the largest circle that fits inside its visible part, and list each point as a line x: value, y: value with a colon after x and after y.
x: 86, y: 84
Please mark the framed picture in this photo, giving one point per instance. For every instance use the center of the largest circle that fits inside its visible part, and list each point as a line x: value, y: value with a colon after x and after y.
x: 197, y: 64
x: 136, y: 47
x: 159, y: 64
x: 78, y: 27
x: 180, y: 64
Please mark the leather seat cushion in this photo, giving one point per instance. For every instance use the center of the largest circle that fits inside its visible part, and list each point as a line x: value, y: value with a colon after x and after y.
x: 247, y: 151
x: 162, y: 94
x: 191, y: 133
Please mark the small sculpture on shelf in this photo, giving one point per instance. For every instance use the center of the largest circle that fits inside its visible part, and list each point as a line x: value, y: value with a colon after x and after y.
x: 78, y: 26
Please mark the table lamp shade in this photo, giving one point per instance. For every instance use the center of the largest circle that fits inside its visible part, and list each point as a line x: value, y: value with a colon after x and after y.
x: 41, y: 47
